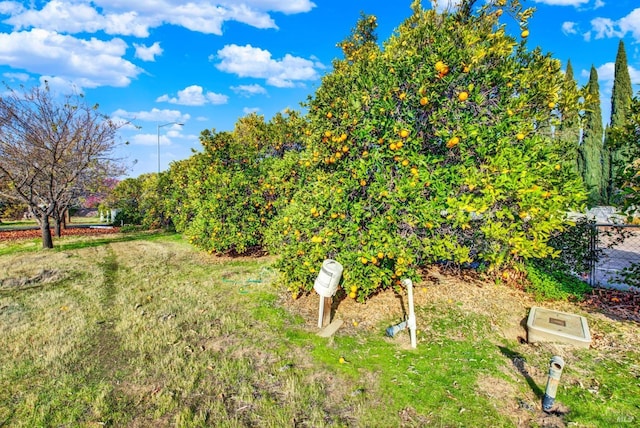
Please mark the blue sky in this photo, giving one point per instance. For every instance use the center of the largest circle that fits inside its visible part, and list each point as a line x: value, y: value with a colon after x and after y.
x: 207, y: 63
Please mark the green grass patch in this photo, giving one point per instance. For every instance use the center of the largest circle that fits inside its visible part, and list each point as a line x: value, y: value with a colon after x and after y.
x: 544, y: 285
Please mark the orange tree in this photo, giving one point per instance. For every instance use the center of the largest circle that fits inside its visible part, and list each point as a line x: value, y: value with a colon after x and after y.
x: 435, y: 147
x: 223, y: 197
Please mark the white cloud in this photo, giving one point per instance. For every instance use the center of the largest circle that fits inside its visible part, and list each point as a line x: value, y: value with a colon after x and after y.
x: 249, y: 110
x: 605, y: 27
x: 574, y: 3
x: 609, y: 28
x: 249, y: 90
x: 117, y: 17
x: 217, y: 98
x: 148, y: 53
x: 194, y: 95
x: 76, y: 17
x: 445, y: 5
x: 151, y: 139
x: 22, y: 77
x: 569, y: 27
x: 88, y: 63
x: 284, y: 6
x: 155, y: 115
x: 10, y: 7
x: 631, y: 24
x: 247, y: 61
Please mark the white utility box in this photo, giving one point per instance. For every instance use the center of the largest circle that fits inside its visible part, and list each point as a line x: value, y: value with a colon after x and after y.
x: 546, y: 325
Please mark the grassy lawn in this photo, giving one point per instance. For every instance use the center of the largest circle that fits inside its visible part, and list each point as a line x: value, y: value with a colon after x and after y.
x: 142, y: 330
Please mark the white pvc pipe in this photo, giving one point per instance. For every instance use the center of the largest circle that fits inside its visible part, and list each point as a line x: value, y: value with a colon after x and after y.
x: 411, y: 321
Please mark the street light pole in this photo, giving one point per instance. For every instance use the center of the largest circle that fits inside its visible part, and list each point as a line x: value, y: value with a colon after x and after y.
x: 160, y: 126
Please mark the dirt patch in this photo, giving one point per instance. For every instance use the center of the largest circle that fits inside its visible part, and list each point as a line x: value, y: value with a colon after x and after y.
x: 44, y: 277
x: 469, y: 291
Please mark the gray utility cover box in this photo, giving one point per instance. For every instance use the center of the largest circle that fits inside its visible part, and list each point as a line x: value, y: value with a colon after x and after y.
x: 545, y: 325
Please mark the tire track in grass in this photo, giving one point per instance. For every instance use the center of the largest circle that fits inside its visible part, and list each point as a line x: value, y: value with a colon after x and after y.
x: 107, y: 343
x: 104, y: 358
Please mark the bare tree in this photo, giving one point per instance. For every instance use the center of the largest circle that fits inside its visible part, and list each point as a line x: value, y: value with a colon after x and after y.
x: 50, y: 148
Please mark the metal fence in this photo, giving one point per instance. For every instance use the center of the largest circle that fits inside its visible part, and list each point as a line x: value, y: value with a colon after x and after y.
x: 615, y: 249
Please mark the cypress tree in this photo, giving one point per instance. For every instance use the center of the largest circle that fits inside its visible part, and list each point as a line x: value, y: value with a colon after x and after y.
x: 621, y: 96
x: 568, y: 129
x: 622, y: 91
x: 593, y: 139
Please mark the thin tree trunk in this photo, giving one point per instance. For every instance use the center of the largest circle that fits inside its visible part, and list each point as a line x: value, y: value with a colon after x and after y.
x: 57, y: 228
x: 47, y: 240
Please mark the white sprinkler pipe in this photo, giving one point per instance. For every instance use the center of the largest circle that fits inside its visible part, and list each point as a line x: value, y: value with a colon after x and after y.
x: 411, y: 321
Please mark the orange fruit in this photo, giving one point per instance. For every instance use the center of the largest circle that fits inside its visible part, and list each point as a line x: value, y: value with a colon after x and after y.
x: 423, y: 101
x: 453, y: 142
x: 520, y: 136
x: 404, y: 133
x: 329, y: 115
x: 463, y: 96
